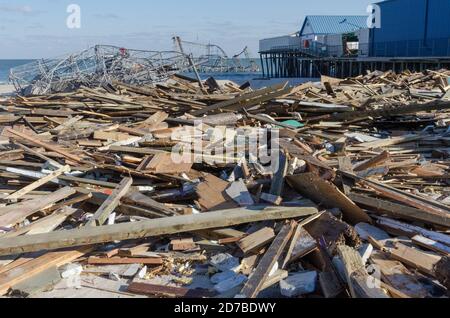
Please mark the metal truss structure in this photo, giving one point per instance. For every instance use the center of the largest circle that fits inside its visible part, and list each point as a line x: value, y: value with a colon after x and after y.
x: 95, y: 67
x: 211, y: 58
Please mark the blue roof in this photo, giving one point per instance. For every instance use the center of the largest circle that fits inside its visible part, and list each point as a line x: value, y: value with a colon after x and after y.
x: 334, y: 24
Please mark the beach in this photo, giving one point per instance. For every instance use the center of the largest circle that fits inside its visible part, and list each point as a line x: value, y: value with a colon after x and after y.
x: 6, y: 89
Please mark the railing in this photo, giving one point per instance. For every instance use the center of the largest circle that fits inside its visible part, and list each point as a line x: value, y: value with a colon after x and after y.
x: 418, y: 48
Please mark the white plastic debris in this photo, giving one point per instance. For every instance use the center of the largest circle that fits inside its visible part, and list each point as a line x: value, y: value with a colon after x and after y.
x: 71, y: 270
x: 365, y: 251
x: 225, y: 262
x: 299, y: 284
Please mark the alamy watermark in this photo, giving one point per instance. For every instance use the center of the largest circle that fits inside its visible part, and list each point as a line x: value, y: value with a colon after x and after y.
x: 227, y: 146
x: 73, y: 21
x: 374, y: 18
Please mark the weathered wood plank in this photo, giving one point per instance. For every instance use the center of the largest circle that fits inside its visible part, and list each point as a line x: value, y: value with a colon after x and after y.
x: 163, y: 226
x: 113, y: 201
x: 15, y: 213
x: 256, y: 282
x: 37, y: 184
x: 322, y: 192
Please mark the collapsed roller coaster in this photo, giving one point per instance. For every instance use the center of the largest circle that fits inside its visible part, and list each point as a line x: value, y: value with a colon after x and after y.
x: 211, y: 58
x: 95, y: 67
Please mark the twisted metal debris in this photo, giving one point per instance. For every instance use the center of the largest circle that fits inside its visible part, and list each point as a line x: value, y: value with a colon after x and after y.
x: 211, y: 58
x: 95, y: 67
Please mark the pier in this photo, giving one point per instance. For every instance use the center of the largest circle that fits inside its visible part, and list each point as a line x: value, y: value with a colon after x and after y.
x: 297, y: 64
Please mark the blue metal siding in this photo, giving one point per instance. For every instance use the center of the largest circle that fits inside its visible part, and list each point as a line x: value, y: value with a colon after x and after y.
x: 401, y: 20
x: 412, y: 28
x: 439, y: 19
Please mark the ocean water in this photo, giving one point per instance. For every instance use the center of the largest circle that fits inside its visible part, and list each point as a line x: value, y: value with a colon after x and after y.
x: 6, y: 65
x: 255, y: 79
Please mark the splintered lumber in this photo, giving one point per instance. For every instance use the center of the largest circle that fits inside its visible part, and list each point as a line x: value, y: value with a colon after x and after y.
x: 16, y: 213
x: 37, y: 184
x: 375, y: 161
x: 46, y: 146
x: 35, y: 266
x: 357, y: 276
x: 124, y: 261
x: 168, y: 291
x: 398, y: 276
x: 389, y: 111
x: 302, y: 244
x: 44, y: 225
x: 254, y: 285
x: 111, y: 203
x: 137, y: 198
x: 183, y: 244
x: 243, y: 99
x: 322, y: 192
x: 411, y: 230
x: 402, y: 211
x: 255, y: 241
x: 298, y: 246
x: 410, y: 199
x: 415, y: 258
x: 442, y: 270
x: 431, y: 245
x: 137, y: 230
x: 163, y: 163
x: 212, y: 194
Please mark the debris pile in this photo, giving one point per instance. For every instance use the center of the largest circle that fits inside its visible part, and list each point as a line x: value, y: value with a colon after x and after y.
x: 129, y: 185
x: 95, y: 67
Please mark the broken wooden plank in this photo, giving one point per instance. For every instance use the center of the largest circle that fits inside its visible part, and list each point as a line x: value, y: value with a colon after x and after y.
x: 257, y: 279
x: 415, y: 258
x: 243, y: 99
x: 124, y: 260
x: 322, y: 192
x: 401, y: 211
x: 33, y: 267
x: 431, y: 245
x: 257, y: 240
x: 398, y: 276
x: 15, y: 213
x: 37, y: 184
x: 168, y: 291
x: 49, y: 147
x: 113, y: 201
x: 357, y: 276
x: 373, y: 162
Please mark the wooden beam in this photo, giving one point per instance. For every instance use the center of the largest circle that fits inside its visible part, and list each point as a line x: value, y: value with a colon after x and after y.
x: 45, y: 145
x: 37, y: 184
x: 415, y: 258
x: 124, y: 261
x: 111, y: 203
x: 33, y: 267
x: 257, y: 240
x: 356, y: 274
x: 157, y: 227
x: 373, y: 162
x: 402, y: 211
x: 167, y: 291
x: 323, y: 192
x: 259, y: 277
x: 241, y: 99
x: 15, y: 213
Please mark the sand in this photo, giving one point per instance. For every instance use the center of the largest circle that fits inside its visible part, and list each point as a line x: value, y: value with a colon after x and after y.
x: 6, y: 89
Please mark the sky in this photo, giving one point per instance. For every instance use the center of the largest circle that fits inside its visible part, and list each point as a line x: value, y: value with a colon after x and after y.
x: 38, y: 28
